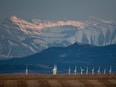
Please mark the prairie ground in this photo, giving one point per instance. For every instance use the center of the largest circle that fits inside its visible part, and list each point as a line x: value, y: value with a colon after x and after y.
x: 38, y: 80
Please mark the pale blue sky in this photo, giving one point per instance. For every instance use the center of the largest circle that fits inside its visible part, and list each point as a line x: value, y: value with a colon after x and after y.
x: 58, y: 9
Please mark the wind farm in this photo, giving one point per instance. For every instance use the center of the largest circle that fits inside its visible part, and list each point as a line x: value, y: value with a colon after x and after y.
x: 71, y: 79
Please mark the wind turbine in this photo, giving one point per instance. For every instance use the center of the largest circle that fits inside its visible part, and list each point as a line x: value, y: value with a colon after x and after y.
x: 86, y: 70
x: 26, y: 70
x: 81, y: 70
x: 75, y: 71
x: 98, y: 70
x: 104, y: 71
x: 69, y: 70
x: 55, y: 70
x: 92, y: 71
x: 110, y: 71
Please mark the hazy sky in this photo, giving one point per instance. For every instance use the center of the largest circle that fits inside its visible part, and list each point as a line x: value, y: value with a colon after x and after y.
x: 58, y: 9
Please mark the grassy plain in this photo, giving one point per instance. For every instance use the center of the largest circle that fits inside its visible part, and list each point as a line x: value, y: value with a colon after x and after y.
x: 37, y: 80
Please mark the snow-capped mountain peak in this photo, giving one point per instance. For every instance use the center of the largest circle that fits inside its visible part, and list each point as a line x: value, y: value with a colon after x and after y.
x: 38, y: 24
x: 24, y: 24
x: 19, y: 38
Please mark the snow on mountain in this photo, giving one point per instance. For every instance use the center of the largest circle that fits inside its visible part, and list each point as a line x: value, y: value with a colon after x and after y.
x: 41, y: 25
x: 19, y: 38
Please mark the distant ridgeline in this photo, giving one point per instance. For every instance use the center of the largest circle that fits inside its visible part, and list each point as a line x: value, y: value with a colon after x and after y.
x: 74, y: 59
x: 20, y: 38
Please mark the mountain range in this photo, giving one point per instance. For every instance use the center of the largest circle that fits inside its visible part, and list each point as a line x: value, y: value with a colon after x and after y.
x: 20, y: 38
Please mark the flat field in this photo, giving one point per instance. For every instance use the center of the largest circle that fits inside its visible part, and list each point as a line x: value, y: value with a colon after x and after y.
x: 37, y: 80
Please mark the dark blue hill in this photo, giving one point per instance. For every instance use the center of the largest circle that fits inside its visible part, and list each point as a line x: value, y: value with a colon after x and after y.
x: 79, y: 55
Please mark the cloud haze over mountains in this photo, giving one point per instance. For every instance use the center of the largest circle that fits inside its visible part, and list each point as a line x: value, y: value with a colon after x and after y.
x: 59, y: 9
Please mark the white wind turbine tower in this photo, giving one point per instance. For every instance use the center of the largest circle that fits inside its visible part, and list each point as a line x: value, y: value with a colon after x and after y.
x: 75, y: 71
x: 110, y: 71
x: 104, y: 71
x: 86, y: 70
x: 98, y: 70
x: 81, y: 70
x: 55, y: 70
x: 26, y: 70
x: 92, y: 71
x: 69, y: 70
